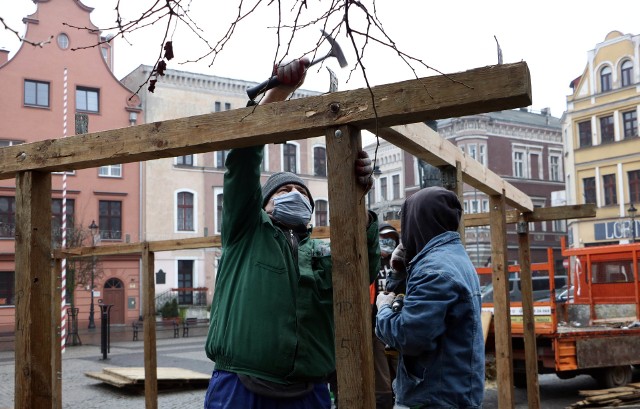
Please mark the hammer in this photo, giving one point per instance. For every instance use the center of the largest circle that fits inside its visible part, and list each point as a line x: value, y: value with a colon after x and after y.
x: 273, y: 82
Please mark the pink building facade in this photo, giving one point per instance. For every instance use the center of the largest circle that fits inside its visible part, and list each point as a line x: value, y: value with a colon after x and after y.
x: 33, y: 107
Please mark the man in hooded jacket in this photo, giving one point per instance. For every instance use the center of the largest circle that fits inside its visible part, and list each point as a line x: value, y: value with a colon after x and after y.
x: 438, y: 332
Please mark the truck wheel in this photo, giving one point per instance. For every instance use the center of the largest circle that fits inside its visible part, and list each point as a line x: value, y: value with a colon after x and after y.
x: 613, y: 376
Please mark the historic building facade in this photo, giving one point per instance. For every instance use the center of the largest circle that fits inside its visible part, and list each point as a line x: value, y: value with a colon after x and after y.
x: 55, y: 91
x: 183, y: 196
x: 600, y: 128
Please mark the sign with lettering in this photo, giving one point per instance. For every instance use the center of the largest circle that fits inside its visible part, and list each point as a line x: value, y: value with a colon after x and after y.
x: 620, y: 229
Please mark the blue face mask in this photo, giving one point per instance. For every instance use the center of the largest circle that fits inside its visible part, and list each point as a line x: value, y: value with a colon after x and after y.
x: 387, y: 245
x: 292, y: 209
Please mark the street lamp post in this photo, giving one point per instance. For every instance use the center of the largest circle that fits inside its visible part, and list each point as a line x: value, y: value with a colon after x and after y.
x: 632, y: 213
x: 93, y: 227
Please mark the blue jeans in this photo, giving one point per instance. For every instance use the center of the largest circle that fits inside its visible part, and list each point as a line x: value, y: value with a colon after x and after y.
x: 227, y: 392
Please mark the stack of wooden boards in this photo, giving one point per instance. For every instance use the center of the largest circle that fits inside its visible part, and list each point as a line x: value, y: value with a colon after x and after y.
x: 616, y: 397
x: 167, y: 377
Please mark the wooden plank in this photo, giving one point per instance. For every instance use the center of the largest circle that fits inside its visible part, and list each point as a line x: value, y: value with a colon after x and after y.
x: 352, y: 309
x: 530, y: 348
x: 486, y: 317
x: 502, y: 314
x: 425, y: 143
x: 35, y: 327
x: 149, y: 329
x: 460, y: 193
x: 474, y: 91
x: 538, y: 214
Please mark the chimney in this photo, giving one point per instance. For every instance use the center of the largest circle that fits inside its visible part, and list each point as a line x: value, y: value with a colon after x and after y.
x: 546, y: 111
x: 4, y: 56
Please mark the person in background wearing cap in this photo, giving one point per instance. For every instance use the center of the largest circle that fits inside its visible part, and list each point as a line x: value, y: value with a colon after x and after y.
x: 271, y: 333
x: 438, y: 331
x: 384, y: 362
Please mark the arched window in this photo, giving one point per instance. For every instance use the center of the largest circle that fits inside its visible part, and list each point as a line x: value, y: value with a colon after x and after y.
x: 113, y: 283
x: 605, y: 79
x: 185, y: 211
x: 626, y: 73
x: 322, y: 213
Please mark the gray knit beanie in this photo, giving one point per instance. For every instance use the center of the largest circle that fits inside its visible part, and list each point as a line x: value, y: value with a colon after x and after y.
x: 280, y: 179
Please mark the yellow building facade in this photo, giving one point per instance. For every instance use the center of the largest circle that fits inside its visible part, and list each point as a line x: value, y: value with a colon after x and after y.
x: 600, y: 128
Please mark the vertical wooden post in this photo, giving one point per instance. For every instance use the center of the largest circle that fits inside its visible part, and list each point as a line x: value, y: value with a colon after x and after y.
x: 149, y: 329
x: 56, y: 283
x: 502, y: 312
x: 36, y: 322
x: 528, y: 321
x: 352, y: 308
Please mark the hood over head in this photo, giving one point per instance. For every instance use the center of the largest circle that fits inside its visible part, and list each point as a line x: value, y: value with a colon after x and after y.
x: 426, y: 214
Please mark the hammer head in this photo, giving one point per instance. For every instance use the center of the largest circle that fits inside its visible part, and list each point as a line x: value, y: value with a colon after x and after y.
x: 336, y: 51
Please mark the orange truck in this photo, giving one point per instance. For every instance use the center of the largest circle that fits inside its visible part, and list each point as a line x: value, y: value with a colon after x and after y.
x: 590, y: 325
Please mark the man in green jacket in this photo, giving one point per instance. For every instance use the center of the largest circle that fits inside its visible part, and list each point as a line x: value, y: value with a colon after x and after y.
x: 272, y: 331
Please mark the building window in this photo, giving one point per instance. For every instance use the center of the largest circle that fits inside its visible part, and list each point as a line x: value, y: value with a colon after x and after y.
x: 609, y: 184
x: 110, y: 219
x: 475, y: 206
x: 7, y: 216
x: 605, y: 79
x: 634, y: 186
x: 9, y: 142
x: 559, y: 226
x: 227, y: 106
x: 606, y: 129
x: 87, y: 99
x: 395, y: 180
x: 626, y: 73
x: 185, y: 160
x: 219, y: 202
x: 320, y: 161
x: 110, y: 171
x: 383, y: 188
x: 589, y: 187
x: 584, y: 130
x: 217, y: 106
x: 483, y: 154
x: 56, y: 221
x: 289, y: 157
x: 518, y: 164
x: 185, y: 281
x: 36, y: 93
x: 185, y: 211
x: 322, y: 213
x: 473, y: 151
x: 221, y: 158
x: 555, y: 169
x: 7, y: 289
x: 630, y: 124
x: 63, y: 41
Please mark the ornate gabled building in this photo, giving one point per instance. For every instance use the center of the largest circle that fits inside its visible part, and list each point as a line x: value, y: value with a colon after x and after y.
x: 600, y: 128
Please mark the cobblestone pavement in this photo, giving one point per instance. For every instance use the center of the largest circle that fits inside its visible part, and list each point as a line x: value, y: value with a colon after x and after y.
x: 80, y: 391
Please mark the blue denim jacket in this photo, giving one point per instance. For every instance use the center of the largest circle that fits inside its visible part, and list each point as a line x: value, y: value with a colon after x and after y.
x: 439, y: 331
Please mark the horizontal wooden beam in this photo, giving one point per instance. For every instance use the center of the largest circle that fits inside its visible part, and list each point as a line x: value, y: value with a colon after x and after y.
x: 137, y: 248
x: 479, y: 90
x: 537, y: 215
x: 425, y: 143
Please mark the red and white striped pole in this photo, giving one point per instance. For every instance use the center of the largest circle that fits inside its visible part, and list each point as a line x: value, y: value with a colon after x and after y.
x: 63, y: 278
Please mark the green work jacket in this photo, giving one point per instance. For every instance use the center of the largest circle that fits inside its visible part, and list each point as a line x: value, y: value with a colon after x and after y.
x: 271, y: 317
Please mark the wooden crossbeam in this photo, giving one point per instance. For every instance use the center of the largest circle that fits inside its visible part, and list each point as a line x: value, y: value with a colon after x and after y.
x: 474, y: 91
x: 537, y: 215
x: 425, y: 143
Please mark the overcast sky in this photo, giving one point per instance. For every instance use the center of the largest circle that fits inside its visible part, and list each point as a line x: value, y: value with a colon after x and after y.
x: 553, y: 37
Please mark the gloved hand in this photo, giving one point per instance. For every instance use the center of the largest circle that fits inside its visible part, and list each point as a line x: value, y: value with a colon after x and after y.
x: 397, y: 261
x: 384, y: 299
x: 364, y: 170
x: 291, y: 75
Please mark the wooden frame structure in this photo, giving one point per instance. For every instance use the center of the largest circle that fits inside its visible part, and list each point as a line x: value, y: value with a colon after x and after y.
x: 340, y: 116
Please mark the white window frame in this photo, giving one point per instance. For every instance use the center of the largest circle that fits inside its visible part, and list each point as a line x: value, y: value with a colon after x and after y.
x: 482, y: 154
x: 553, y: 154
x: 217, y: 191
x: 313, y: 154
x: 313, y: 217
x: 175, y: 211
x: 297, y: 145
x: 473, y: 150
x: 519, y: 164
x: 110, y: 171
x: 195, y: 159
